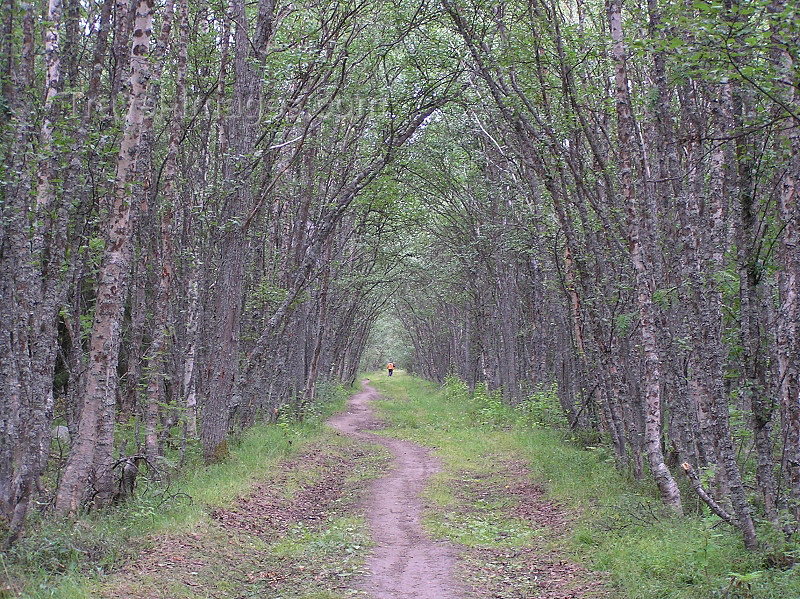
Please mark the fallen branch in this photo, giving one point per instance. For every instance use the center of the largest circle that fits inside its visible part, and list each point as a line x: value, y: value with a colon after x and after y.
x: 703, y: 494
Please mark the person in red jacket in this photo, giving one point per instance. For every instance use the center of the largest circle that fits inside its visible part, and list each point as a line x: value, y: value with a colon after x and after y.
x: 390, y: 368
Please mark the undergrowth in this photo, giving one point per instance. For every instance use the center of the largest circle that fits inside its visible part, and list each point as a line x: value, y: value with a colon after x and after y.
x: 62, y: 558
x: 618, y: 525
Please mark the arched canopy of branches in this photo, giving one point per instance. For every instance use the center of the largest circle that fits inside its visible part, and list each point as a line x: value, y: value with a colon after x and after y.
x: 206, y: 208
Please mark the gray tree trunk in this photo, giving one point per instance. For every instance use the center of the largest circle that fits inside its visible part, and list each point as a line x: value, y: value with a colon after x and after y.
x: 670, y: 493
x: 90, y: 462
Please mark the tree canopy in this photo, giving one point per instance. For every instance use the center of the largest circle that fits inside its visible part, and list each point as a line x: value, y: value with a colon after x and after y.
x: 210, y: 210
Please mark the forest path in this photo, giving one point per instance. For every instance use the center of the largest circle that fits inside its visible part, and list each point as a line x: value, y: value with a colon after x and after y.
x: 405, y: 563
x: 340, y: 515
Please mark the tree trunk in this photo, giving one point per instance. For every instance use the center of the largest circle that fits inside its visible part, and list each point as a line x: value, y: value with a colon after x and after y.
x: 91, y: 453
x: 322, y: 314
x: 754, y: 309
x: 711, y: 318
x: 788, y: 276
x: 165, y: 260
x: 222, y: 372
x: 670, y: 493
x: 32, y: 246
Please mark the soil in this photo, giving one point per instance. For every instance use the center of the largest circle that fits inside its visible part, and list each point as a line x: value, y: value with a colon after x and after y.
x: 226, y: 557
x: 408, y: 564
x: 405, y: 563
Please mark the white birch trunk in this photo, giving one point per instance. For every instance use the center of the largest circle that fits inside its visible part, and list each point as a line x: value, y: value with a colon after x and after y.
x: 670, y: 493
x: 91, y: 454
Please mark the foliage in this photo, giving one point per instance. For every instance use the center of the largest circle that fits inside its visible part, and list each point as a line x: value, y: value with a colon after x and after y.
x: 455, y: 389
x: 488, y: 407
x: 542, y: 408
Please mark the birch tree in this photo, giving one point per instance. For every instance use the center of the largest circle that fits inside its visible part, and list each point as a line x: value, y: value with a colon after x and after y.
x: 91, y: 455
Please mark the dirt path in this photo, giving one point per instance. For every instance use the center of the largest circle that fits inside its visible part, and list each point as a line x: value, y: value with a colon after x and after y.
x: 297, y: 532
x: 405, y: 563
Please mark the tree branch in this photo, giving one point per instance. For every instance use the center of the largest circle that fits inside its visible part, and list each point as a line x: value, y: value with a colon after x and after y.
x: 703, y: 494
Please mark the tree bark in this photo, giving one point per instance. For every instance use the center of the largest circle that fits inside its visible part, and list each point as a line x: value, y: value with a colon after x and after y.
x: 222, y: 372
x: 711, y: 317
x: 322, y: 313
x: 788, y: 276
x: 670, y: 493
x: 32, y: 245
x: 754, y: 312
x: 165, y: 259
x: 91, y: 454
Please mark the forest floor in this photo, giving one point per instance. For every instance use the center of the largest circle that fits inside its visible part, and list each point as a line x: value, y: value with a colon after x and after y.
x: 352, y: 515
x: 412, y: 489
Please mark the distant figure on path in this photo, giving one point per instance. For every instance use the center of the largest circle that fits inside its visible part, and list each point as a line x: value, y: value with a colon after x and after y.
x: 390, y: 367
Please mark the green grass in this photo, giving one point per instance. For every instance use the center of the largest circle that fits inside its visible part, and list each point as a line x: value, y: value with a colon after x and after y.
x: 57, y: 558
x: 619, y: 526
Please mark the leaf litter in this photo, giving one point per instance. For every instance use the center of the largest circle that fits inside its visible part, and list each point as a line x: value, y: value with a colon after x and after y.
x: 300, y: 533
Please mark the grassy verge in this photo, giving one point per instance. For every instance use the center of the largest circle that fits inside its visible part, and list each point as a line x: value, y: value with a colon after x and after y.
x: 295, y: 534
x: 603, y: 520
x: 79, y: 559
